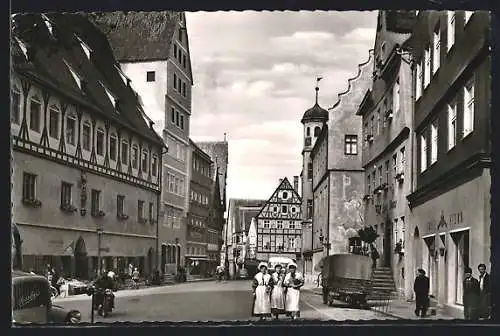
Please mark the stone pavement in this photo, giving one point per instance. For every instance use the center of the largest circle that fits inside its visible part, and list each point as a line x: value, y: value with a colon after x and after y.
x: 398, y: 307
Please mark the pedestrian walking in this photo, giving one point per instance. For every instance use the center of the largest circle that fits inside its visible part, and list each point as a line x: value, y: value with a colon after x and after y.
x: 293, y: 282
x: 471, y: 293
x: 261, y: 288
x: 135, y: 278
x: 484, y: 292
x: 374, y: 255
x: 278, y: 292
x: 421, y: 288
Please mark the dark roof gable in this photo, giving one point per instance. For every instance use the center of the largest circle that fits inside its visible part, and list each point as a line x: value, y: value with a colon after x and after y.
x: 50, y: 55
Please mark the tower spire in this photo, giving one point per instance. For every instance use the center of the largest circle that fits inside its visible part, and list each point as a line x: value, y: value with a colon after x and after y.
x: 317, y: 88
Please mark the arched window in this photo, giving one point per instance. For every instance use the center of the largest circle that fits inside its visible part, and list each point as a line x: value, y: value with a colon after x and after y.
x: 100, y: 141
x: 124, y: 155
x: 54, y: 114
x: 317, y: 131
x: 35, y: 113
x: 308, y: 131
x: 145, y: 160
x: 71, y: 129
x: 15, y: 112
x: 113, y: 141
x: 86, y: 135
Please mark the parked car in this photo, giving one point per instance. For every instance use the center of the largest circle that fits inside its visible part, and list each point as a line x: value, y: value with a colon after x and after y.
x: 32, y: 301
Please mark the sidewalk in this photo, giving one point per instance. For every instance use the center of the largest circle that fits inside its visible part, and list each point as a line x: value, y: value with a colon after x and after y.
x: 129, y: 292
x: 397, y: 307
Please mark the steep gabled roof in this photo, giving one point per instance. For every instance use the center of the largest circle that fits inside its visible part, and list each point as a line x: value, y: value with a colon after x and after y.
x: 284, y: 185
x: 53, y: 57
x: 138, y: 36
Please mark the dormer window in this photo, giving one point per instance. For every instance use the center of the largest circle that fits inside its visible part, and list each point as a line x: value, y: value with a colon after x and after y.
x: 23, y: 47
x: 77, y: 78
x: 112, y: 98
x: 86, y: 49
x: 48, y: 24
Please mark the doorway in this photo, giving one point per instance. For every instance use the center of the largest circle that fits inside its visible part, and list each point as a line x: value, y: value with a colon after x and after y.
x: 81, y: 261
x: 431, y: 263
x: 417, y: 248
x: 387, y: 245
x: 150, y: 261
x: 163, y: 258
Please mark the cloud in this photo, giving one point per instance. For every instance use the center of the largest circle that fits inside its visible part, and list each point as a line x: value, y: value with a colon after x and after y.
x: 254, y: 75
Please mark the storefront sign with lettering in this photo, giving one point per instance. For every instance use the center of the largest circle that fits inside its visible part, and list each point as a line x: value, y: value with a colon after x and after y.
x: 454, y: 220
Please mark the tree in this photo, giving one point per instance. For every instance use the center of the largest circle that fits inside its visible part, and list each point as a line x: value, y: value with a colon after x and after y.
x: 368, y: 235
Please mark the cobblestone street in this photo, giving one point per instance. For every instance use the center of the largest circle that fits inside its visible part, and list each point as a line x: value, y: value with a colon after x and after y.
x: 203, y: 301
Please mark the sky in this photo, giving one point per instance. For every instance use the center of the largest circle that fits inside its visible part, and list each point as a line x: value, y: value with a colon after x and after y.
x: 254, y: 76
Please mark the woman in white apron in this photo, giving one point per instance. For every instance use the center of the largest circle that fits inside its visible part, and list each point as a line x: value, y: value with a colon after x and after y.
x: 278, y: 292
x: 293, y: 282
x: 261, y: 287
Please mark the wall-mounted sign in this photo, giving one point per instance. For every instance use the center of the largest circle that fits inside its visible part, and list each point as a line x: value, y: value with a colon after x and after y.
x: 444, y: 222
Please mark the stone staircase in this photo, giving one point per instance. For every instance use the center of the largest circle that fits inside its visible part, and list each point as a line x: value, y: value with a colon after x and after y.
x: 383, y: 286
x: 168, y: 279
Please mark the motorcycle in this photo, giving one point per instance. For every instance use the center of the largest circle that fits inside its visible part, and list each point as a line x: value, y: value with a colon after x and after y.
x: 106, y: 305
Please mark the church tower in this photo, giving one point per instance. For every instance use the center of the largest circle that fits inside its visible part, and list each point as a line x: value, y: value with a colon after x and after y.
x: 313, y: 120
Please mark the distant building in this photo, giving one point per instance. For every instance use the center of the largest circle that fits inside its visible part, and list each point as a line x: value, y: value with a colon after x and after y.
x: 313, y: 120
x: 387, y: 118
x: 337, y: 174
x: 153, y: 51
x: 450, y: 225
x: 219, y: 154
x: 239, y: 218
x: 279, y: 224
x: 87, y: 160
x: 200, y: 192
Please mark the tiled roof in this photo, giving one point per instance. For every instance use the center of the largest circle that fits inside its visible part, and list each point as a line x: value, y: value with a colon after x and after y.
x: 218, y: 152
x: 48, y: 53
x: 138, y: 36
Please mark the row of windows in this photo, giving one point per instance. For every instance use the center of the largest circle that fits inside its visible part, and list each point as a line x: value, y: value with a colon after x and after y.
x: 467, y: 99
x: 384, y: 115
x: 198, y: 222
x: 199, y: 197
x: 196, y: 250
x: 176, y: 185
x: 278, y: 243
x: 71, y: 133
x: 180, y: 56
x: 280, y: 225
x: 179, y: 85
x: 177, y: 118
x: 382, y: 174
x: 202, y: 168
x: 284, y: 209
x: 172, y: 219
x: 176, y: 149
x: 29, y: 195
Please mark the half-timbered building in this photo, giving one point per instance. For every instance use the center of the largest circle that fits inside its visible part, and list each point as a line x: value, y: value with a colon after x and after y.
x: 87, y: 161
x: 279, y: 226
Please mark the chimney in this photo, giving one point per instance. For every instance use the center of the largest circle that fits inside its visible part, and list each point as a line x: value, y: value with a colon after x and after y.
x: 296, y: 183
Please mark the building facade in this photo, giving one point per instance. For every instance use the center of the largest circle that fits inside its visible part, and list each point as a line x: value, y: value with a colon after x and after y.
x: 236, y: 232
x: 219, y: 154
x: 313, y: 120
x: 450, y: 226
x: 215, y: 223
x: 200, y: 191
x: 153, y: 51
x: 386, y: 110
x: 87, y: 160
x: 279, y: 224
x: 338, y: 174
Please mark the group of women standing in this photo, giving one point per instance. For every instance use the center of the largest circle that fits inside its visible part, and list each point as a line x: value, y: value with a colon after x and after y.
x: 278, y: 293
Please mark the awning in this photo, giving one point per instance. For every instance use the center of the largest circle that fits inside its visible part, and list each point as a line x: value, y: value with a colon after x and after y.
x: 199, y: 258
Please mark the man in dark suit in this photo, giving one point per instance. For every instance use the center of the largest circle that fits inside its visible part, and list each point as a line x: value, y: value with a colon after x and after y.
x: 471, y: 295
x: 421, y: 288
x: 484, y: 292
